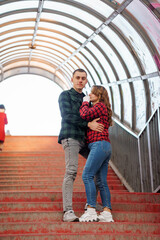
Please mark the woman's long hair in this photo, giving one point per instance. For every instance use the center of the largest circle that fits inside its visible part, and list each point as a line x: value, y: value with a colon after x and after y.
x: 102, y: 94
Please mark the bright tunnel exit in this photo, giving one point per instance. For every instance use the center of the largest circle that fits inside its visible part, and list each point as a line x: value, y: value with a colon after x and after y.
x: 31, y: 104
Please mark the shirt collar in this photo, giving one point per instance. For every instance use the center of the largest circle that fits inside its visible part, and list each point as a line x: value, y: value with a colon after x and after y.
x: 75, y: 93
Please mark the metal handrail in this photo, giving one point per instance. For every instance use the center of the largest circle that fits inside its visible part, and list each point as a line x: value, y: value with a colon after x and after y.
x: 149, y: 120
x: 125, y: 128
x: 133, y: 133
x: 143, y: 151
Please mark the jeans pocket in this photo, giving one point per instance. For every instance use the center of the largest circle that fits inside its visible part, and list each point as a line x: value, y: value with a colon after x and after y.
x: 65, y: 143
x: 106, y: 147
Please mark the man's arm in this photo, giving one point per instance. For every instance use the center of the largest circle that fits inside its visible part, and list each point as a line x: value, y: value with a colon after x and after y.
x: 95, y: 126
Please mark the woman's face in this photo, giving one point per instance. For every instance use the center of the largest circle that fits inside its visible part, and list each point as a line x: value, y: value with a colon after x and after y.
x: 93, y: 98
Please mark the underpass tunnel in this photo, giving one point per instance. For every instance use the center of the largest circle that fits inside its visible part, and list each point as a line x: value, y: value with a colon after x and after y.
x: 116, y: 42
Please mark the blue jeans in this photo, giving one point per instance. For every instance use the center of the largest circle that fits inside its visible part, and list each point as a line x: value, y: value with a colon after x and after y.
x: 97, y: 166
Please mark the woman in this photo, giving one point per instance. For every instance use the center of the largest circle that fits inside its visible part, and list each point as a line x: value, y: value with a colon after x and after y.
x: 99, y: 156
x: 3, y: 121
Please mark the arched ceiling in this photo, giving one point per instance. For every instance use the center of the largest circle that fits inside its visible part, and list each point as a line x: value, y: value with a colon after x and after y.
x: 116, y: 42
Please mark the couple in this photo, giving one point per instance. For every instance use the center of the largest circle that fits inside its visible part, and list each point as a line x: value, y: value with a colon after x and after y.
x: 83, y: 125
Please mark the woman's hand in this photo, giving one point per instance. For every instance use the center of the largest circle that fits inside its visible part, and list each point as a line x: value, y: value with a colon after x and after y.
x: 86, y: 99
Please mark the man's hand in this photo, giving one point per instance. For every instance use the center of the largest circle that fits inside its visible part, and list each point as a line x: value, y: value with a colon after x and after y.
x: 99, y: 127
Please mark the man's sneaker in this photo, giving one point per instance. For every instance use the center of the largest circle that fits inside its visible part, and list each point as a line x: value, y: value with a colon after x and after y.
x: 90, y: 215
x: 99, y: 207
x: 70, y: 216
x: 105, y: 217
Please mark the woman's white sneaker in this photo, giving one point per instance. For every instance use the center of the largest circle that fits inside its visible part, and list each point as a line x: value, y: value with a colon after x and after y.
x: 105, y: 217
x: 99, y: 207
x: 90, y: 215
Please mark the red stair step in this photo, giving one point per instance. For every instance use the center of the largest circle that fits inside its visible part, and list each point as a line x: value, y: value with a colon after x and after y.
x: 39, y: 195
x: 94, y: 228
x: 41, y: 206
x: 53, y: 216
x: 79, y: 236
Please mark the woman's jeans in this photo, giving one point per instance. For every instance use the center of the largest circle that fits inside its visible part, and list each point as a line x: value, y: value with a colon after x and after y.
x: 97, y: 166
x: 72, y: 148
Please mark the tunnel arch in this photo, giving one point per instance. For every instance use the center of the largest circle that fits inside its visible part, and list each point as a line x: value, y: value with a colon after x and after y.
x: 116, y: 42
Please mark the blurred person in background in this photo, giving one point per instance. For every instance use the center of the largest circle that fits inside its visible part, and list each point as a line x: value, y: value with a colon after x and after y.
x: 3, y: 122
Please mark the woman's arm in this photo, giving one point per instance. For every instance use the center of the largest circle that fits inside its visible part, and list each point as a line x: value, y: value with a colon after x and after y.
x: 90, y: 113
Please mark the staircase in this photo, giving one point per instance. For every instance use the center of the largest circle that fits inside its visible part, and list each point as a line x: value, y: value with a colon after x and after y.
x: 31, y: 175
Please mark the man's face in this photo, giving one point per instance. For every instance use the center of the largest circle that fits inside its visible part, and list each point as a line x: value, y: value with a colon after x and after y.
x: 79, y: 81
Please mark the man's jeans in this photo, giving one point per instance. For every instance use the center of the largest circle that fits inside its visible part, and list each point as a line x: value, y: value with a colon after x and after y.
x: 71, y: 148
x: 97, y: 165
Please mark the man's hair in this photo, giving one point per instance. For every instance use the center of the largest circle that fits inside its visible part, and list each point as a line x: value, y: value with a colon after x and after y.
x: 79, y: 70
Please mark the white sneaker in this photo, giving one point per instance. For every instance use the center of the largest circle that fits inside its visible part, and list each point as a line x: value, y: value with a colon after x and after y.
x: 85, y: 207
x: 70, y: 216
x: 90, y: 215
x: 99, y: 207
x: 105, y: 217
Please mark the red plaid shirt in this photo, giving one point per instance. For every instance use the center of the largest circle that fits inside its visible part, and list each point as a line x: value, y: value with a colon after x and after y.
x: 99, y: 110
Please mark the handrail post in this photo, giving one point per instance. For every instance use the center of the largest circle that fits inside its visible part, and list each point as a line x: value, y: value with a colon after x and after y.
x: 150, y: 158
x: 158, y: 116
x: 140, y: 163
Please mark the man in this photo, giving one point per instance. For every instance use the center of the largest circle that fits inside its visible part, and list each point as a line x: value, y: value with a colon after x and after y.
x: 72, y: 136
